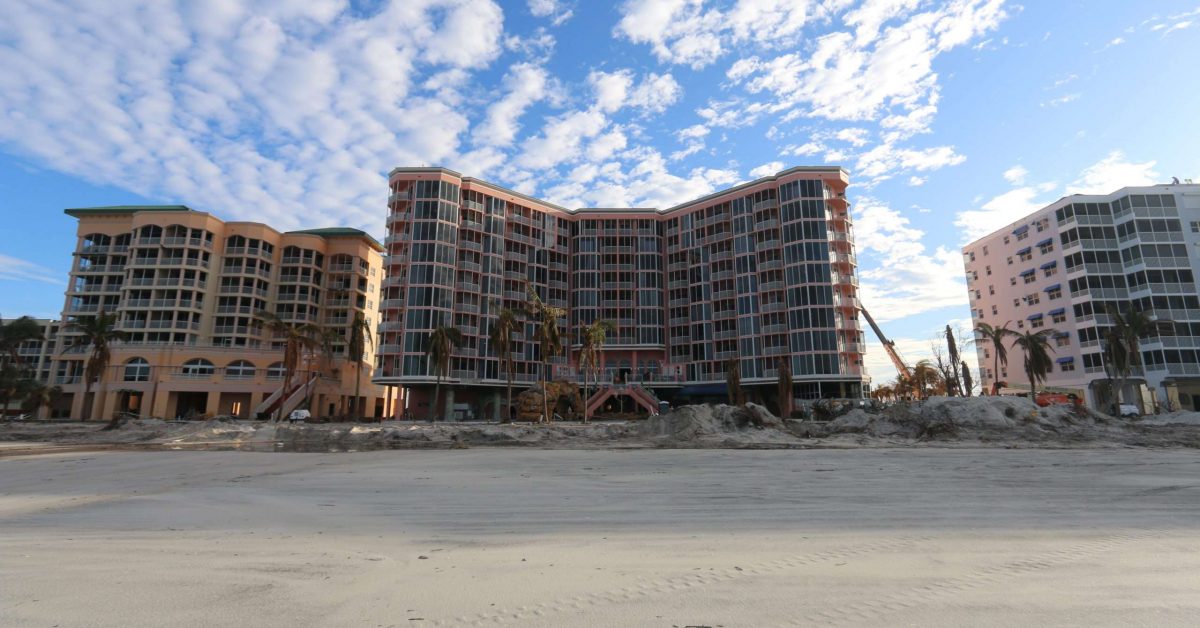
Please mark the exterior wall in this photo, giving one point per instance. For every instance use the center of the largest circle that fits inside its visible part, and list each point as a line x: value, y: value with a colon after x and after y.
x: 1135, y: 248
x: 187, y: 287
x: 762, y: 272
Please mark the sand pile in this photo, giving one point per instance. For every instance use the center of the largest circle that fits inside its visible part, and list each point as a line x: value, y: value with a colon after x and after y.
x: 720, y: 425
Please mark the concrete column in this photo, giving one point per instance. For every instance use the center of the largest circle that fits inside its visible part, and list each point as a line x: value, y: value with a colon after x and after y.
x: 213, y: 405
x: 449, y: 404
x: 255, y: 399
x: 95, y: 409
x: 78, y: 409
x: 497, y: 400
x: 109, y: 406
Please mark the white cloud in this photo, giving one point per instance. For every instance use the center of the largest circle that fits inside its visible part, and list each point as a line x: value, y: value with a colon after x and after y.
x: 1113, y: 172
x: 917, y: 181
x: 553, y: 9
x: 561, y: 140
x: 1016, y: 175
x: 249, y: 113
x: 766, y: 169
x: 1103, y: 177
x: 614, y: 90
x: 900, y: 275
x: 686, y: 32
x: 695, y: 131
x: 526, y: 84
x: 17, y: 269
x: 656, y: 93
x: 804, y: 150
x: 854, y: 136
x: 883, y: 160
x: 1061, y: 100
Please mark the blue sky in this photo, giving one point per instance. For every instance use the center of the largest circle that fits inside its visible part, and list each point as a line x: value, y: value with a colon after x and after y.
x: 953, y: 117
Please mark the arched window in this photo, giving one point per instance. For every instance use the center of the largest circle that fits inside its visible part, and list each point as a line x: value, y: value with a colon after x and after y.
x: 240, y: 369
x: 276, y: 371
x: 197, y: 367
x: 137, y: 370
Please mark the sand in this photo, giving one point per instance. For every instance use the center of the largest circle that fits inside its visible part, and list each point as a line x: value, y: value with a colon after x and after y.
x: 658, y: 537
x: 936, y: 422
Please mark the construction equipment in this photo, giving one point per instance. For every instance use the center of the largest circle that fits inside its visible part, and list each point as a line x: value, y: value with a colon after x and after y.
x: 902, y: 370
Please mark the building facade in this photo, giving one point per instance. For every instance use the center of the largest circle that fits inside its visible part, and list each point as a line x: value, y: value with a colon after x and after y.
x: 763, y: 273
x: 1064, y: 266
x: 187, y: 288
x: 36, y: 358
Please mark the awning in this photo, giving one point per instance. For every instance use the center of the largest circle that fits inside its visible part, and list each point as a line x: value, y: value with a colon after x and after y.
x: 1054, y: 287
x: 1057, y: 311
x: 1033, y: 317
x: 1028, y: 272
x: 1062, y: 334
x: 1045, y: 242
x: 1065, y: 360
x: 1025, y: 250
x: 1021, y: 229
x: 1049, y: 265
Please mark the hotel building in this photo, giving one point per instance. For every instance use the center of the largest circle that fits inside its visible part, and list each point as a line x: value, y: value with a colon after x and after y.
x: 760, y: 273
x: 37, y: 359
x: 186, y: 288
x: 1063, y: 266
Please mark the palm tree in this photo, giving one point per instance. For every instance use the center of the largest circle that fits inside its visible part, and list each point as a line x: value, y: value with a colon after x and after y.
x: 733, y: 382
x: 549, y: 339
x: 926, y: 378
x: 966, y: 379
x: 297, y: 338
x: 41, y: 396
x: 501, y: 340
x: 1124, y: 351
x: 1036, y: 346
x: 97, y: 332
x: 360, y: 339
x: 594, y: 337
x: 441, y: 343
x: 785, y: 387
x: 995, y: 336
x: 16, y: 332
x: 14, y: 384
x: 953, y: 383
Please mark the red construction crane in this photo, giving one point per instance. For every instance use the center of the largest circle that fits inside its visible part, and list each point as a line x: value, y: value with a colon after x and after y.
x: 890, y: 346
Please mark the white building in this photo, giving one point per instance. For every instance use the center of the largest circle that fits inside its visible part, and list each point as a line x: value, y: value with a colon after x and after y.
x: 1061, y: 266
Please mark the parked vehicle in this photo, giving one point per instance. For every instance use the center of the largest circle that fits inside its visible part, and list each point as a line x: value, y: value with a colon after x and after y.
x: 1129, y: 411
x: 1044, y: 399
x: 299, y: 416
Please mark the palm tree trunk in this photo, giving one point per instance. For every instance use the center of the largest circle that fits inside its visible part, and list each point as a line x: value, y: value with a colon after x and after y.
x: 545, y: 393
x: 437, y: 393
x: 996, y: 374
x: 586, y: 397
x: 508, y: 411
x: 357, y: 383
x: 1032, y: 384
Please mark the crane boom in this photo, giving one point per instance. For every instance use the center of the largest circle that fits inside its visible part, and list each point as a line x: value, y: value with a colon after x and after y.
x: 888, y: 345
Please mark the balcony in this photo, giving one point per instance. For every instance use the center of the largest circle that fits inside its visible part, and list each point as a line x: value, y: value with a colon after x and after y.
x: 468, y: 287
x: 775, y: 329
x: 775, y: 306
x: 391, y: 304
x: 771, y: 285
x: 771, y: 223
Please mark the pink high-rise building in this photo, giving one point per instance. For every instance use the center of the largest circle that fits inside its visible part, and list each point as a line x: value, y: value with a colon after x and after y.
x: 762, y: 273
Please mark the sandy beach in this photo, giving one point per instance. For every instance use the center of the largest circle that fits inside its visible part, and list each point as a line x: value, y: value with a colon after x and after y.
x: 520, y: 537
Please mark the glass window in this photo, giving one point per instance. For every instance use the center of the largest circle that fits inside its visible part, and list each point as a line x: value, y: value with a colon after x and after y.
x: 137, y: 370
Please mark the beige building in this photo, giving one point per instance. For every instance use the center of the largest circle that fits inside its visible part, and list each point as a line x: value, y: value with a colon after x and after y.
x: 187, y: 287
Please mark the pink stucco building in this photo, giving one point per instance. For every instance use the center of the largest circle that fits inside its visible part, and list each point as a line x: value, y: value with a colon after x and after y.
x: 760, y: 273
x: 1064, y: 266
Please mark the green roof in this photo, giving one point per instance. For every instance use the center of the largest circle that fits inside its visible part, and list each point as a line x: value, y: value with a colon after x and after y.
x: 341, y: 232
x: 124, y: 209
